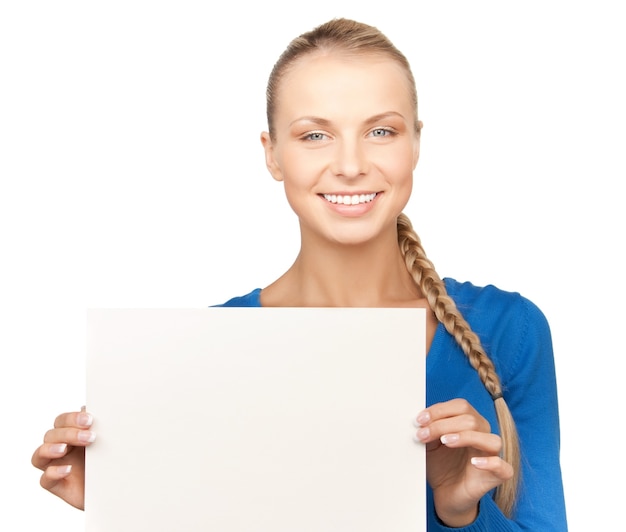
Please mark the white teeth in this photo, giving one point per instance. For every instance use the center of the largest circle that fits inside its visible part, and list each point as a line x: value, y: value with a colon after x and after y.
x: 350, y: 200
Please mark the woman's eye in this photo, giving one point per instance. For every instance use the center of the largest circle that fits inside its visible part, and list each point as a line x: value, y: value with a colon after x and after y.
x: 381, y: 132
x: 315, y: 136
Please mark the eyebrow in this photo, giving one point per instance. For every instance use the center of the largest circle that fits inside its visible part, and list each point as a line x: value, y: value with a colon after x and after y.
x: 383, y: 116
x: 325, y: 122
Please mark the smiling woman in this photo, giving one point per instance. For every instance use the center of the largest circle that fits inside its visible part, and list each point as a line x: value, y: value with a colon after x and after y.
x: 344, y: 138
x: 344, y: 128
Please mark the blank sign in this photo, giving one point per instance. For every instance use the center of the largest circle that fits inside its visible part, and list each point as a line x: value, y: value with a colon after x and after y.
x: 255, y: 419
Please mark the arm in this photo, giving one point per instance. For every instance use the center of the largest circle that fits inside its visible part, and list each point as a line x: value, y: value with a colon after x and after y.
x: 517, y: 337
x: 531, y: 393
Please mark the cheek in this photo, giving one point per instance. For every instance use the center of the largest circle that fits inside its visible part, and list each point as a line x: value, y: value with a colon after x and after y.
x: 297, y: 179
x: 300, y: 169
x: 398, y: 166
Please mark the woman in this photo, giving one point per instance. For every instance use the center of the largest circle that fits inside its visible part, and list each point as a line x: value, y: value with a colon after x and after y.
x: 343, y: 137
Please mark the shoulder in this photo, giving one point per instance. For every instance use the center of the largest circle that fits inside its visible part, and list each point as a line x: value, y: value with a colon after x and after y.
x: 491, y: 304
x: 251, y: 299
x: 512, y: 328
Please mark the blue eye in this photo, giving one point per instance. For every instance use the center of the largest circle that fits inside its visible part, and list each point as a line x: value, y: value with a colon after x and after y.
x: 381, y: 132
x: 316, y: 135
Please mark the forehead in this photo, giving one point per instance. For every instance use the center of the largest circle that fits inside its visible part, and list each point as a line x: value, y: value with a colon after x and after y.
x: 323, y: 83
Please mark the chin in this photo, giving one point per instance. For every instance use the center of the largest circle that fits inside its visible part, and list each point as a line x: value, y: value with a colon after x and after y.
x: 360, y: 236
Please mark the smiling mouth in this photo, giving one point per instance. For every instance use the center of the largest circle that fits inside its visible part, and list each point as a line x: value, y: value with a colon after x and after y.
x: 354, y: 199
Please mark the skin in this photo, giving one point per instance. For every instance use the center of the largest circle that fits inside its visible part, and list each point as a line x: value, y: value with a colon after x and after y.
x: 346, y: 126
x: 62, y: 457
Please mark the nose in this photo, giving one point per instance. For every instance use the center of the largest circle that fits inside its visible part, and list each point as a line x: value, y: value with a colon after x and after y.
x: 349, y: 159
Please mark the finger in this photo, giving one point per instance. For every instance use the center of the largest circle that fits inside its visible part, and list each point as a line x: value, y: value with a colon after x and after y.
x: 459, y: 424
x: 53, y: 475
x: 71, y: 436
x: 81, y: 419
x: 47, y: 452
x: 500, y: 469
x: 465, y: 423
x: 482, y: 441
x: 453, y: 407
x: 448, y: 409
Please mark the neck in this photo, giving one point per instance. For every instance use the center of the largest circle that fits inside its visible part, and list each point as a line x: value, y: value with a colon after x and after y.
x: 335, y: 275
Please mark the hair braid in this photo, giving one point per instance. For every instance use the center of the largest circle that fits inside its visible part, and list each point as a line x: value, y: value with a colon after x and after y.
x: 446, y: 311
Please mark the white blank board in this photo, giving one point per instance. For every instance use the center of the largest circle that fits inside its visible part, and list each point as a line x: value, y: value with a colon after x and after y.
x: 255, y: 420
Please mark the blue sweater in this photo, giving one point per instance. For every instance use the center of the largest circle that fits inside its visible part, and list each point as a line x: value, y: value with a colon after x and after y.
x: 517, y: 337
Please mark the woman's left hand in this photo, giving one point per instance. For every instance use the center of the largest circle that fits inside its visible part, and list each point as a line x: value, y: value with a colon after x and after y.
x: 462, y: 459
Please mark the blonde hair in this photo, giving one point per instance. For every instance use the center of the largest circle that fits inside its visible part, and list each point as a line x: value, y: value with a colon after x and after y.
x: 350, y: 37
x: 446, y: 311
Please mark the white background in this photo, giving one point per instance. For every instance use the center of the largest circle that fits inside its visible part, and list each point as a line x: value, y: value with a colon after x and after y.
x: 132, y: 176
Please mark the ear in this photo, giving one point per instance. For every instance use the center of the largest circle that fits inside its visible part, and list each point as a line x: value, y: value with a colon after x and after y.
x: 270, y: 158
x: 416, y: 144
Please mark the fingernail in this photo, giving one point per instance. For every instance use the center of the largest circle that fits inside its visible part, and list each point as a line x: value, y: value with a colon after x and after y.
x: 84, y: 419
x: 423, y: 433
x: 449, y: 438
x: 58, y: 448
x: 64, y: 470
x: 86, y: 436
x: 423, y: 418
x: 479, y: 461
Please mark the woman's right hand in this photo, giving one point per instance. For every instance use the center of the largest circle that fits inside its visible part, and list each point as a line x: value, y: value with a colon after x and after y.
x: 62, y: 457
